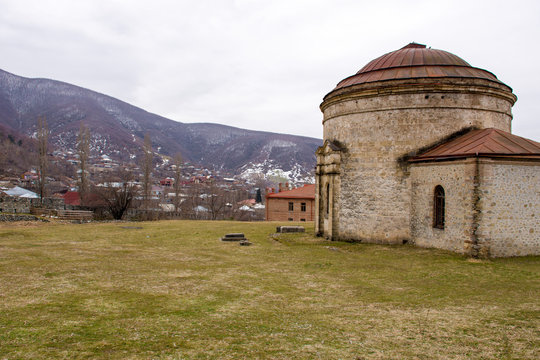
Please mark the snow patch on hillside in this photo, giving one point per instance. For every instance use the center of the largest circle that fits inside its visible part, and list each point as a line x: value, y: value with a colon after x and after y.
x: 126, y: 121
x: 277, y: 143
x: 270, y: 172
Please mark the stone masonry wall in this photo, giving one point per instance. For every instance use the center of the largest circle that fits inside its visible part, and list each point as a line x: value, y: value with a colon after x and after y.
x: 278, y: 209
x: 13, y: 217
x: 510, y: 208
x: 457, y: 178
x: 377, y: 130
x: 17, y: 205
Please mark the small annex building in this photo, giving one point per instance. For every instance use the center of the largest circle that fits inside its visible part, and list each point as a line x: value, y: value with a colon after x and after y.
x: 291, y: 205
x: 418, y: 148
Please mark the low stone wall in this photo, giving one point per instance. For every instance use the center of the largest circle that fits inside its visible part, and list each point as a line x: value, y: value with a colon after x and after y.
x: 13, y: 204
x: 9, y: 217
x: 50, y: 203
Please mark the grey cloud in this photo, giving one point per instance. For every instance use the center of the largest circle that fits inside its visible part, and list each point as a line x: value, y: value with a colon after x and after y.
x: 258, y: 64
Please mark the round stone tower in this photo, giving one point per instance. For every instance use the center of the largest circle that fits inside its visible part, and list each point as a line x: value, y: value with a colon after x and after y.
x: 396, y: 105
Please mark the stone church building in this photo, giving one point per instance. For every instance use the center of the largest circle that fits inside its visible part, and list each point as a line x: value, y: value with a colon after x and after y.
x: 418, y: 148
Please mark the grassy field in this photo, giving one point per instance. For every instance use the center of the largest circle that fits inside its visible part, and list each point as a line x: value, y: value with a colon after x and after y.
x: 172, y: 290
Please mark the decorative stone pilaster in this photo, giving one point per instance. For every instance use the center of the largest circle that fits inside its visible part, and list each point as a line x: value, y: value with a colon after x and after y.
x: 327, y: 190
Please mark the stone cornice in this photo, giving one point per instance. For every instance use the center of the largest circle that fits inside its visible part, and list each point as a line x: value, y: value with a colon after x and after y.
x: 360, y: 111
x: 419, y: 86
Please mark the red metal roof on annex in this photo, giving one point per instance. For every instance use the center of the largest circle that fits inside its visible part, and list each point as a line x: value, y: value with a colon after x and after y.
x: 415, y: 61
x: 305, y: 192
x: 72, y: 198
x: 484, y: 143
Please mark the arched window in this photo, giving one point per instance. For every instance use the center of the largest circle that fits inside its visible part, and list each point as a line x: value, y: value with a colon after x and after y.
x: 438, y: 207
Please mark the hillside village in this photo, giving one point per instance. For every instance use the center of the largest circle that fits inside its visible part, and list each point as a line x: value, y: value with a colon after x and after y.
x: 234, y: 163
x: 204, y: 193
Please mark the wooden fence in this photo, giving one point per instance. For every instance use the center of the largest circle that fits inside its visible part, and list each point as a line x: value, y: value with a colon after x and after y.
x: 42, y: 212
x: 75, y: 214
x: 64, y: 214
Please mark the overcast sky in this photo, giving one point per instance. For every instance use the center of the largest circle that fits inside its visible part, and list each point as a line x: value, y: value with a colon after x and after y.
x: 260, y: 64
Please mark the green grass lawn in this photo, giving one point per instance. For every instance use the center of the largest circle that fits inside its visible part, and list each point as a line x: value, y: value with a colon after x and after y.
x: 172, y: 290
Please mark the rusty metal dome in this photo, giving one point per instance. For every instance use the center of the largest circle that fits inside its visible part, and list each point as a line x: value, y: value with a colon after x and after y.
x: 415, y: 61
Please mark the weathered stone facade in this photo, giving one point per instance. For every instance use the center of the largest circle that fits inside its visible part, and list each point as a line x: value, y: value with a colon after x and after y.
x: 492, y: 206
x: 366, y: 188
x: 509, y: 223
x: 376, y: 132
x: 457, y: 179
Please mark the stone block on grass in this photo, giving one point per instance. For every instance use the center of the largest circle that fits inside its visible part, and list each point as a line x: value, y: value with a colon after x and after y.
x: 289, y: 229
x: 234, y: 237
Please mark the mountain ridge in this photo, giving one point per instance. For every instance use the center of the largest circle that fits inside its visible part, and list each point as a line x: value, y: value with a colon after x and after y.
x: 118, y: 128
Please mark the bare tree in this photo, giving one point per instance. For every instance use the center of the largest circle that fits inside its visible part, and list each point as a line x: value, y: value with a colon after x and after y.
x: 209, y: 201
x: 215, y: 200
x: 177, y: 180
x: 193, y: 207
x: 147, y: 169
x: 119, y: 199
x: 83, y: 149
x: 42, y: 142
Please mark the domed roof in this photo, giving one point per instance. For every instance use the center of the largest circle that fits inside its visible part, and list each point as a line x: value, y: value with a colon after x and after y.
x: 415, y: 61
